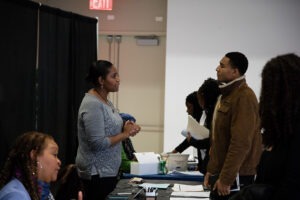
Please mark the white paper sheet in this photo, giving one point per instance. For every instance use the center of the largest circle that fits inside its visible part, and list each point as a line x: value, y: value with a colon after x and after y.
x: 186, y: 198
x: 196, y: 130
x: 187, y: 188
x: 155, y: 185
x: 184, y: 173
x: 190, y: 194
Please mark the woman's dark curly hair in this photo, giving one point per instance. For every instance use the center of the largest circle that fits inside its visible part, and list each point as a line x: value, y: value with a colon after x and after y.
x: 210, y: 91
x: 19, y: 163
x: 197, y: 110
x: 280, y: 99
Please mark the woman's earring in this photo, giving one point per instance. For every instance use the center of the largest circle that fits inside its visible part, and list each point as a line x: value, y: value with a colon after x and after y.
x: 33, y: 169
x: 39, y: 164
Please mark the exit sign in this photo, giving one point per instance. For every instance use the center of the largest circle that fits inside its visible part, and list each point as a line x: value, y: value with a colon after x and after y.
x: 101, y: 4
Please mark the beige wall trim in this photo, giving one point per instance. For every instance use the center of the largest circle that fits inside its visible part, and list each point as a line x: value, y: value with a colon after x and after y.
x: 131, y: 33
x: 151, y: 128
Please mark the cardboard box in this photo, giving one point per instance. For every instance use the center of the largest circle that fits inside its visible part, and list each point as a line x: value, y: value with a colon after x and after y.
x: 147, y: 164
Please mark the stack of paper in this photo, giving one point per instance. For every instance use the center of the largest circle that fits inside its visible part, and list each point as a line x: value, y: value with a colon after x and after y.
x: 187, y: 188
x: 185, y: 173
x: 155, y: 185
x: 189, y: 192
x: 189, y: 198
x: 196, y: 130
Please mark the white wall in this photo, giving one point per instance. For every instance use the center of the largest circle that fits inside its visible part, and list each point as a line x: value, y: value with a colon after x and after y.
x: 200, y: 32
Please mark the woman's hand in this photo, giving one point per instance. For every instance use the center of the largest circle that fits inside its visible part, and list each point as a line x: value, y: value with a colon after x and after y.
x: 127, y: 128
x: 188, y: 137
x: 134, y: 129
x: 131, y: 128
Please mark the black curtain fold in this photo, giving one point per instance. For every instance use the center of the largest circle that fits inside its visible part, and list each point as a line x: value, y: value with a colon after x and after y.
x: 67, y: 48
x: 83, y: 53
x: 54, y: 75
x: 45, y: 99
x: 18, y: 42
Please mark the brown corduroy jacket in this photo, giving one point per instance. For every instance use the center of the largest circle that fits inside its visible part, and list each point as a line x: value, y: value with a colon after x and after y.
x: 236, y: 140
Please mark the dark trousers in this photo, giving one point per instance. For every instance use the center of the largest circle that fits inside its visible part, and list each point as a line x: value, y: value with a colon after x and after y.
x: 98, y: 188
x: 244, y: 181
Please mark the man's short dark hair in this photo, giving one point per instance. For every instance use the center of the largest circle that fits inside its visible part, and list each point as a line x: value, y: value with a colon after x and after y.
x: 239, y: 61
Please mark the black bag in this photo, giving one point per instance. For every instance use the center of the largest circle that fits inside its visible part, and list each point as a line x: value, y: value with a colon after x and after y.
x: 254, y: 192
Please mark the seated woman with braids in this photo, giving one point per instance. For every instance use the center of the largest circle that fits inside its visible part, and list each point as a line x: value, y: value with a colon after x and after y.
x: 31, y: 165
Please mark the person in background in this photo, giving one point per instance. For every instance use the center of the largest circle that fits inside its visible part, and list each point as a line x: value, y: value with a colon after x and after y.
x: 69, y: 183
x: 127, y: 147
x: 100, y: 133
x: 236, y: 139
x: 31, y: 165
x: 207, y: 96
x: 280, y: 113
x: 203, y: 100
x: 192, y: 108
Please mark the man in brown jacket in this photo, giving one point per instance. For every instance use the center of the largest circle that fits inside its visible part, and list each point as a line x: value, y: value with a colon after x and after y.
x: 236, y: 140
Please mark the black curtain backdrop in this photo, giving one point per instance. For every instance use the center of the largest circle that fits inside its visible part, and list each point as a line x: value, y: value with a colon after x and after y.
x: 46, y: 99
x: 18, y: 37
x: 67, y: 48
x: 54, y: 75
x: 83, y: 53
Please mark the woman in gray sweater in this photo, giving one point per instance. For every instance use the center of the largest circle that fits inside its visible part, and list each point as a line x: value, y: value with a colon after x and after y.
x: 100, y: 133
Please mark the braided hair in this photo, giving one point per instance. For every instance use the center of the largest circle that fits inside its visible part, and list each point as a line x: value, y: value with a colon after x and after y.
x: 21, y: 165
